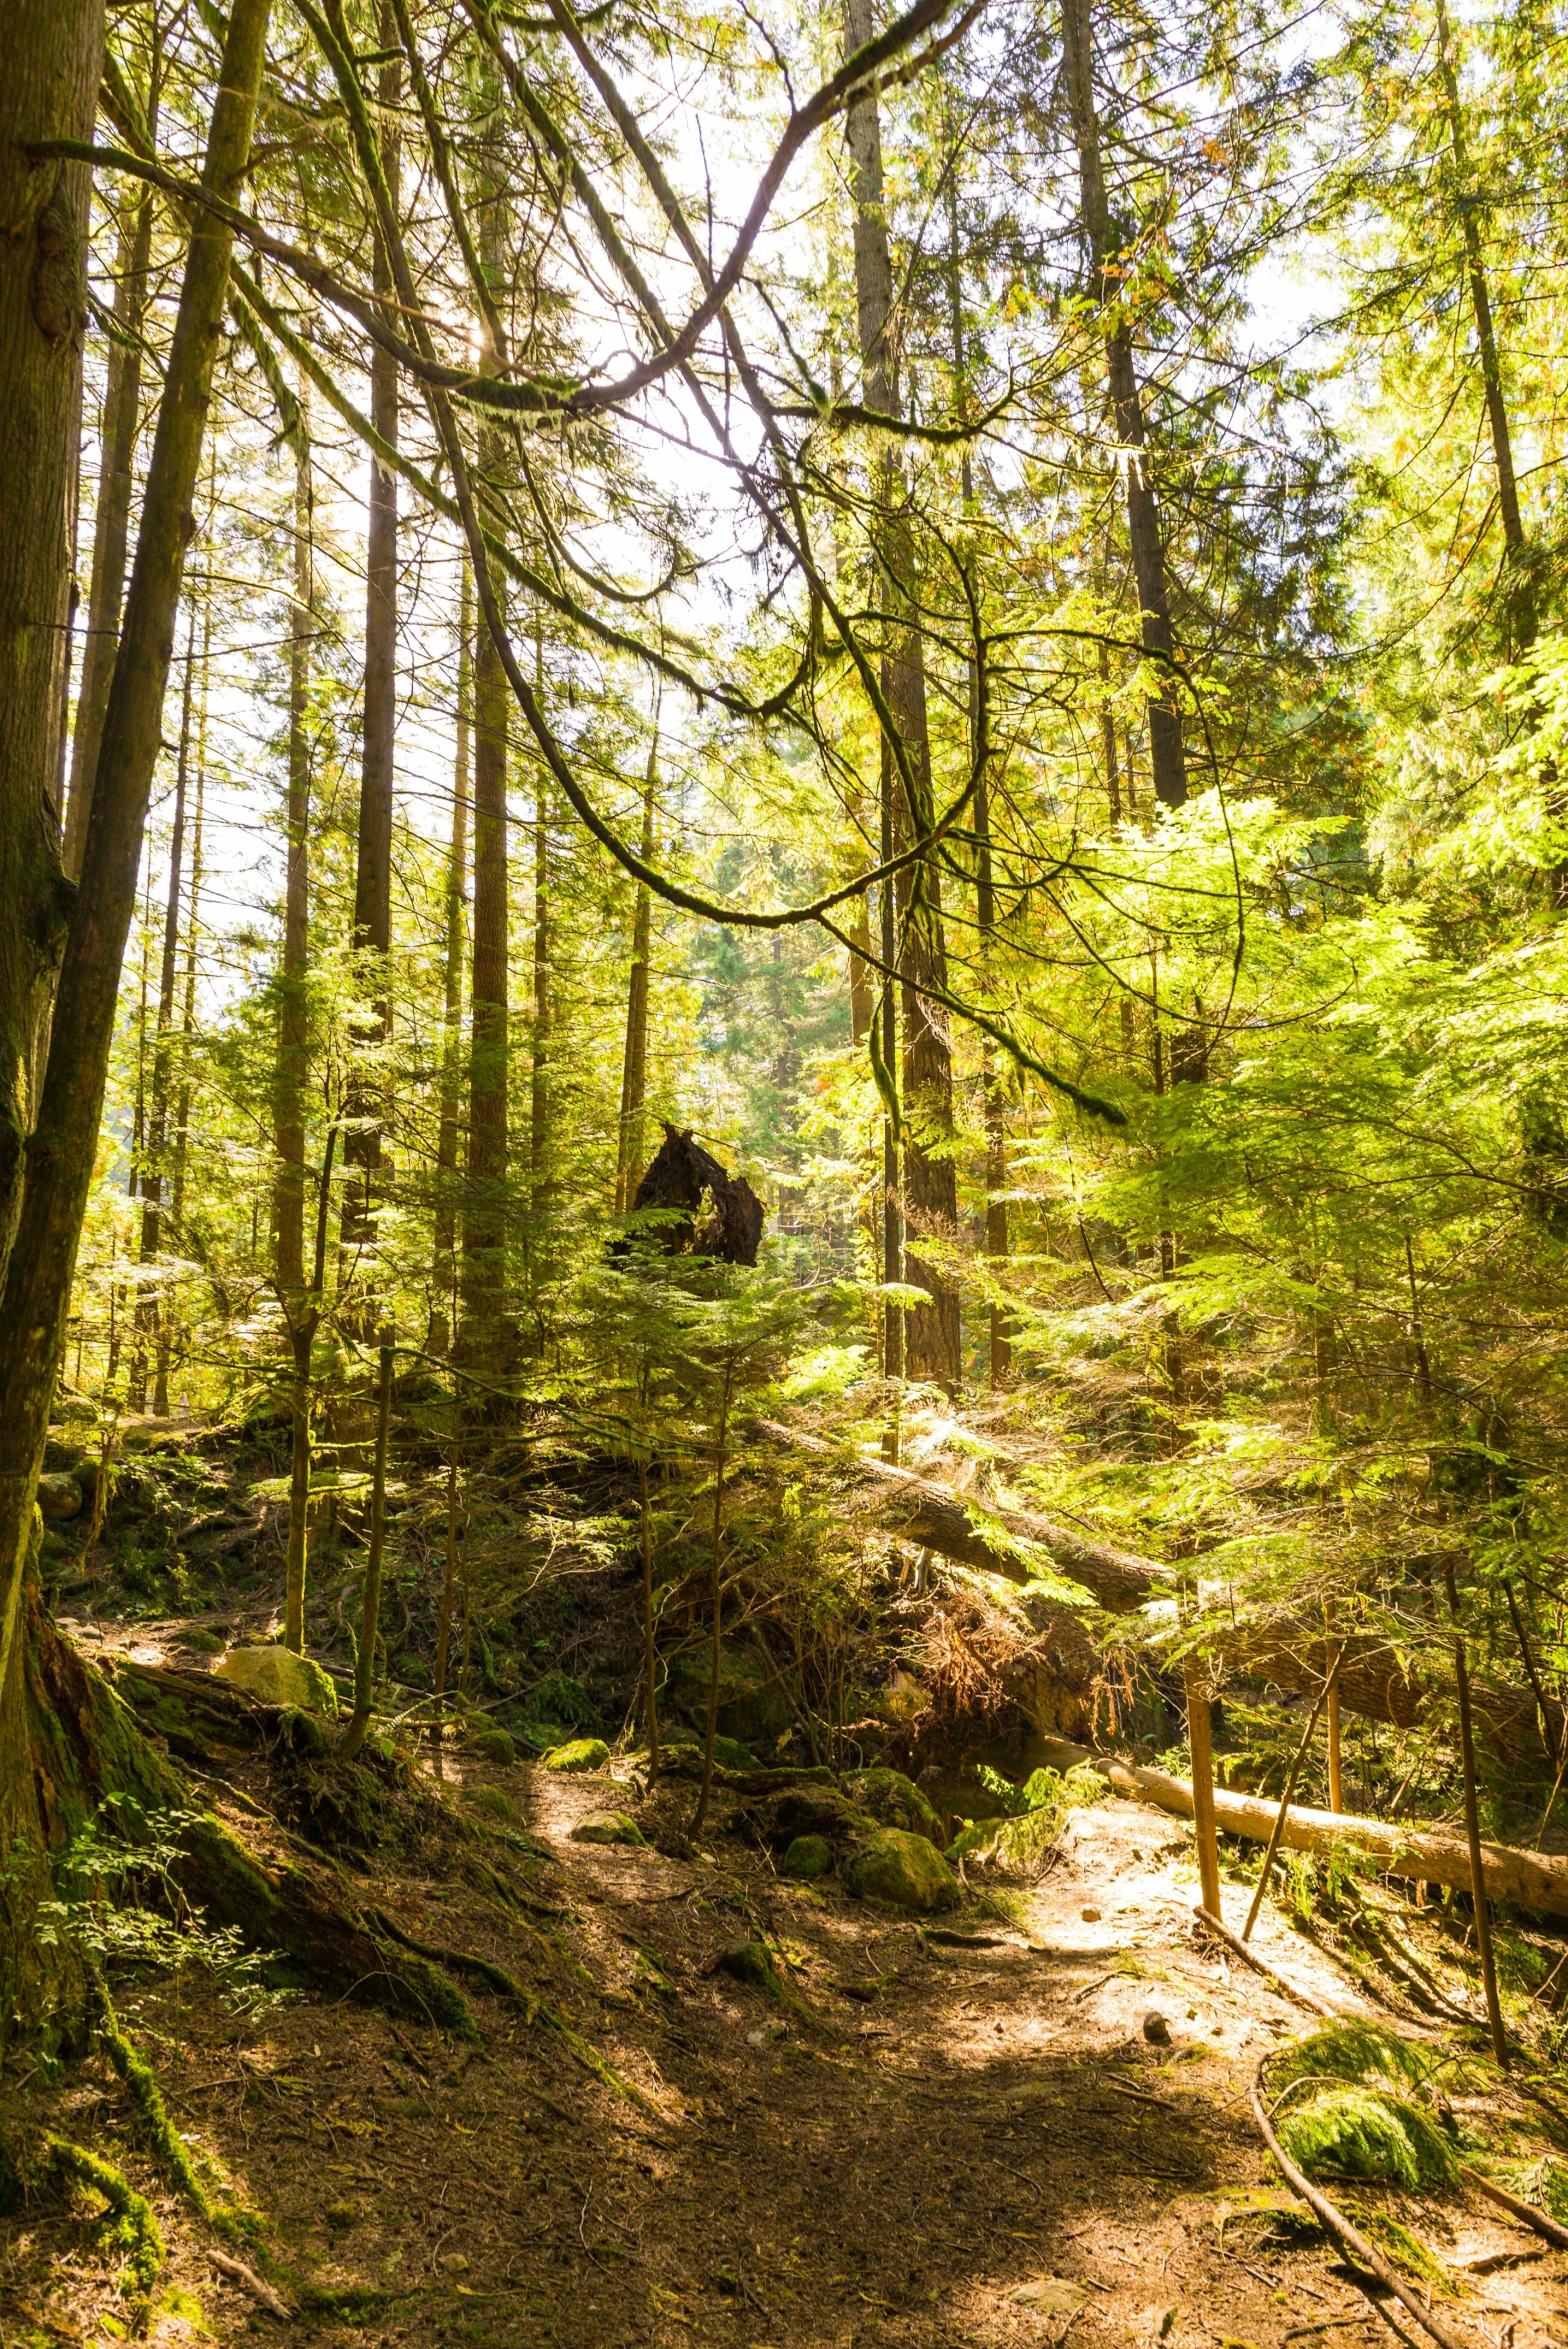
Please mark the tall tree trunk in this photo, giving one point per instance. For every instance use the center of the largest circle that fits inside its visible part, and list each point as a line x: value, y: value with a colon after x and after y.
x: 51, y: 55
x: 372, y: 938
x: 111, y: 527
x: 539, y: 1072
x: 1485, y: 330
x: 484, y: 1194
x: 292, y: 1067
x: 1166, y: 756
x: 444, y: 1312
x: 634, y: 1060
x: 886, y: 1018
x: 149, y: 1309
x: 483, y: 1276
x: 180, y: 1136
x: 996, y: 1235
x: 930, y: 1187
x: 63, y: 1146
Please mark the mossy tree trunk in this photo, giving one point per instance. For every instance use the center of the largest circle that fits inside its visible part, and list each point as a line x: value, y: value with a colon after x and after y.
x: 61, y: 1150
x: 51, y: 55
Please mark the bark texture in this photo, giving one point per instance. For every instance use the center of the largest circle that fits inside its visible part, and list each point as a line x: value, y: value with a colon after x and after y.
x: 930, y: 1201
x: 634, y: 1060
x: 111, y: 527
x: 483, y: 1276
x: 50, y: 61
x: 1145, y: 539
x: 1530, y: 1879
x: 60, y: 1152
x: 372, y: 937
x: 443, y: 1315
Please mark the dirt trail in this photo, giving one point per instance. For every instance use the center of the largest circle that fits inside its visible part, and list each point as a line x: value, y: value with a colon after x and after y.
x: 961, y: 2135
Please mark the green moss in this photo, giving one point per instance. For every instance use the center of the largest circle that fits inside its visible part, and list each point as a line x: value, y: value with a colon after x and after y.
x: 494, y: 1799
x: 728, y: 1752
x: 1404, y: 2249
x: 609, y: 1827
x: 147, y: 2097
x: 903, y: 1870
x: 808, y: 1856
x: 496, y: 1745
x: 1355, y: 2132
x: 1354, y: 2050
x: 434, y: 1994
x: 128, y: 2225
x: 351, y: 2304
x: 749, y: 1961
x: 896, y: 1801
x: 580, y: 1753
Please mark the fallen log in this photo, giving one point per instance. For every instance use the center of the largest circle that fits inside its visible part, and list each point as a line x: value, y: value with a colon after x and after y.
x: 1374, y: 1680
x: 1529, y: 1879
x: 1011, y: 1542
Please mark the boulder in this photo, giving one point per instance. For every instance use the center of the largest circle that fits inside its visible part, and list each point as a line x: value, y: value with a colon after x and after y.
x: 276, y: 1676
x: 748, y: 1961
x: 902, y: 1869
x: 59, y: 1496
x: 580, y: 1753
x: 609, y: 1827
x: 755, y: 1706
x: 814, y: 1810
x: 807, y: 1856
x: 496, y: 1745
x: 896, y: 1801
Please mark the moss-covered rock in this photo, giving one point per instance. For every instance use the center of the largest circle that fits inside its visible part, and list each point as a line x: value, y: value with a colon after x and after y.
x: 686, y: 1746
x: 579, y: 1753
x: 59, y: 1496
x: 609, y: 1827
x: 496, y: 1745
x: 495, y: 1800
x: 808, y: 1856
x: 748, y: 1961
x: 896, y: 1801
x: 905, y: 1871
x: 276, y: 1676
x: 755, y: 1706
x: 815, y: 1810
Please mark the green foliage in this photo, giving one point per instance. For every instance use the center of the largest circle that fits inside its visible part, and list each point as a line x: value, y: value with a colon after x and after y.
x: 119, y: 1863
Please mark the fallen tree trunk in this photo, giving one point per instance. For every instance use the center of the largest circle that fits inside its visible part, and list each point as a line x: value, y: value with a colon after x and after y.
x: 1529, y: 1879
x: 1374, y: 1680
x: 1011, y: 1542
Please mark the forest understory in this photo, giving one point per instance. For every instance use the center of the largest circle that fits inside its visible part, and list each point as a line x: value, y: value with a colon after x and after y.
x: 712, y: 2100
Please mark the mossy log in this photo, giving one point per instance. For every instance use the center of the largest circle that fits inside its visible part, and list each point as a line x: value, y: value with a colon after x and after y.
x: 1374, y: 1680
x: 1529, y: 1879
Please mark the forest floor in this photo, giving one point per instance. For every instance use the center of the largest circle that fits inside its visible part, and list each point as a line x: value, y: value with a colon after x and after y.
x: 952, y: 2132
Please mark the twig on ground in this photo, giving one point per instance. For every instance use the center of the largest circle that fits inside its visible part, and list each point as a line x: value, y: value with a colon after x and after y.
x: 1307, y: 1998
x: 248, y: 2281
x: 1334, y: 2219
